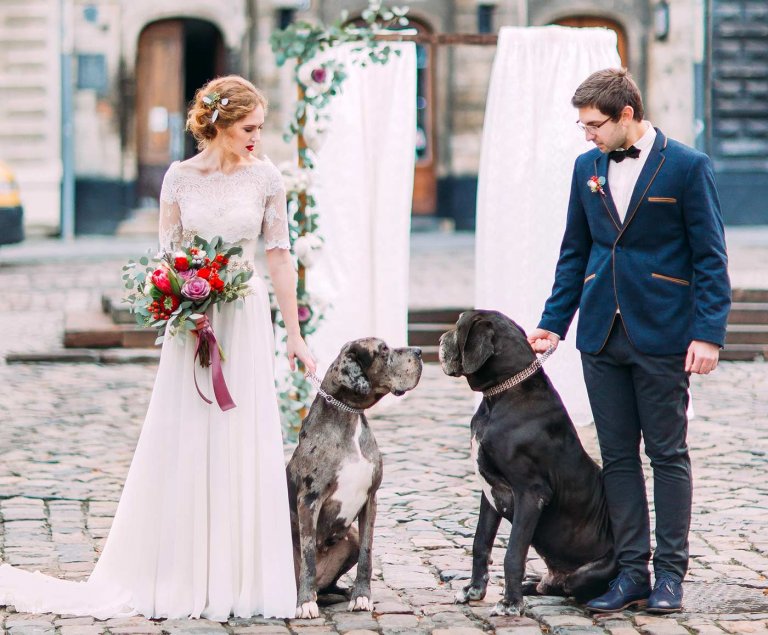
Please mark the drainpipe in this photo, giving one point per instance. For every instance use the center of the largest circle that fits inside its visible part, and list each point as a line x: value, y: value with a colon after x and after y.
x: 67, y: 123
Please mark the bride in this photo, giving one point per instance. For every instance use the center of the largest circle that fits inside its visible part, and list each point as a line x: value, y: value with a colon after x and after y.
x: 202, y: 528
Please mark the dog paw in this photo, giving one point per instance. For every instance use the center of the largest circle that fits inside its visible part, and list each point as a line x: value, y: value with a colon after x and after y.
x: 468, y: 593
x: 360, y: 603
x: 307, y: 611
x: 515, y: 609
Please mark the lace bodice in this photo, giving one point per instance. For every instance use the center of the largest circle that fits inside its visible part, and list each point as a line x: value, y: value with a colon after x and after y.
x: 238, y: 206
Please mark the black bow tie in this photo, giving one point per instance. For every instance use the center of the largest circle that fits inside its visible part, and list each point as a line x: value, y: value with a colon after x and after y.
x: 619, y: 155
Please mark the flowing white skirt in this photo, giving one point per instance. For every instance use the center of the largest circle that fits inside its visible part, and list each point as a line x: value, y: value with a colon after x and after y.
x: 202, y: 528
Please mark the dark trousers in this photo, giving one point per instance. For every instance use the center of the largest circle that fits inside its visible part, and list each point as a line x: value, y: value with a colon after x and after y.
x: 635, y: 395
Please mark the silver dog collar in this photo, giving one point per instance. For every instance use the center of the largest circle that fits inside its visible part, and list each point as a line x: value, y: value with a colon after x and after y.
x: 315, y: 381
x: 521, y: 376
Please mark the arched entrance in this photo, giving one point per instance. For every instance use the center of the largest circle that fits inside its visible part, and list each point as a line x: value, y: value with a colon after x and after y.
x: 174, y: 58
x: 583, y: 21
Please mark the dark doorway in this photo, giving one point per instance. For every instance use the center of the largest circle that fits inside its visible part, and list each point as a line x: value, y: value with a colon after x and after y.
x: 203, y: 60
x: 175, y: 57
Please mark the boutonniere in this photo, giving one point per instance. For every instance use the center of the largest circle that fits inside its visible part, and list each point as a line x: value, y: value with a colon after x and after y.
x: 595, y: 184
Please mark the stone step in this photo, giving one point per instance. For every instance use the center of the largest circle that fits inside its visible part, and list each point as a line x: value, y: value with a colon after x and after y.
x: 744, y: 353
x: 86, y: 329
x: 435, y: 316
x: 88, y: 356
x: 140, y: 222
x: 112, y: 304
x: 426, y: 334
x: 749, y: 295
x: 747, y: 334
x: 748, y: 313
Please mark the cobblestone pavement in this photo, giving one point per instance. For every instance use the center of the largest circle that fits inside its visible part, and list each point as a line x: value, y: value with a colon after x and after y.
x: 68, y: 432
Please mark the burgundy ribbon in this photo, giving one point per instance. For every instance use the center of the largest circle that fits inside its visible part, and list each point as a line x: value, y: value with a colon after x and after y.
x: 220, y: 390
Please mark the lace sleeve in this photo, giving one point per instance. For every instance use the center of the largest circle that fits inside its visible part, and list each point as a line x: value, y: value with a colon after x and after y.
x: 170, y: 229
x: 274, y: 227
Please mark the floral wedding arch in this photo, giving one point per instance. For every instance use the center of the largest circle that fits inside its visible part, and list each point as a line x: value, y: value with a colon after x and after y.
x: 318, y: 83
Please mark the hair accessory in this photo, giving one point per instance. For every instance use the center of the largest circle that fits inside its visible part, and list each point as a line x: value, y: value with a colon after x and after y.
x: 213, y: 101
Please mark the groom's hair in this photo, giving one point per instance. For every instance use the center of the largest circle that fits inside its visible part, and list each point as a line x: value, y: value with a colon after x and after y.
x: 609, y: 90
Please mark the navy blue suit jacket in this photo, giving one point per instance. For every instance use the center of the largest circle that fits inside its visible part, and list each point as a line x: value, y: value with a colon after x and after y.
x: 664, y: 268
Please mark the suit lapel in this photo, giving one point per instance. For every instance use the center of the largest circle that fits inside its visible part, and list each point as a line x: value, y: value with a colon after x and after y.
x: 651, y: 168
x: 601, y: 169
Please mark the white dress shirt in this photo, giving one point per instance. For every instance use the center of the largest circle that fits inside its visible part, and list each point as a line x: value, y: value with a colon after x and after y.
x: 622, y: 177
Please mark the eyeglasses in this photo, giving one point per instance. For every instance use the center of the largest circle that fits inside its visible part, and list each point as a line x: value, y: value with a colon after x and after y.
x: 593, y: 128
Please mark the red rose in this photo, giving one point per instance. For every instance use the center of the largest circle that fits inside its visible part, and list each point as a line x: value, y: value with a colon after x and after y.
x: 181, y: 263
x: 217, y: 283
x: 204, y: 272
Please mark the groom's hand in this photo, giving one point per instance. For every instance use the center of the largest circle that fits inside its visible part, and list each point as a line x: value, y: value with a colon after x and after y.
x: 541, y: 340
x: 702, y: 357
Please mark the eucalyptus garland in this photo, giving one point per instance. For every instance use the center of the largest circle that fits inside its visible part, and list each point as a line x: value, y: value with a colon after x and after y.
x: 318, y: 82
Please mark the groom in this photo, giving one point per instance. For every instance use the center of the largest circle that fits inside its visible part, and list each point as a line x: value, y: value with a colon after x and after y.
x: 643, y: 257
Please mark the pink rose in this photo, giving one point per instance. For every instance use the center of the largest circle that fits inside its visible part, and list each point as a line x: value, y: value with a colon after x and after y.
x: 196, y: 289
x: 319, y: 75
x: 304, y: 313
x: 188, y: 274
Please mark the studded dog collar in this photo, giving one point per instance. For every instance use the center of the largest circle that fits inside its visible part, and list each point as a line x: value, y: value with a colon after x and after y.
x: 520, y: 377
x: 330, y: 399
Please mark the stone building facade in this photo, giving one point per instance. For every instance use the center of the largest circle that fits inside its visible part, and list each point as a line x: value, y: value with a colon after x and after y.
x: 136, y: 63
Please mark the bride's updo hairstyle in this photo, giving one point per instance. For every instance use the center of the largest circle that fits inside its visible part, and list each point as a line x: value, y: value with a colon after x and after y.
x: 232, y: 97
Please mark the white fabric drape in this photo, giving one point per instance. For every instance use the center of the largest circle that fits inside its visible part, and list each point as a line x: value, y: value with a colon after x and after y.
x: 530, y: 143
x: 363, y: 186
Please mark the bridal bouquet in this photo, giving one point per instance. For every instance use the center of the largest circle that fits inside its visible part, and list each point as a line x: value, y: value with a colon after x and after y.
x: 174, y: 291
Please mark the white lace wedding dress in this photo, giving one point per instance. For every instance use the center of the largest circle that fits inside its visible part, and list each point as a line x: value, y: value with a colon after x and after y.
x: 202, y: 528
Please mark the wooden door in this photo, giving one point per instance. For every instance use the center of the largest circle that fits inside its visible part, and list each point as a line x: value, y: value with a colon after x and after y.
x: 425, y: 176
x: 585, y: 21
x: 159, y: 103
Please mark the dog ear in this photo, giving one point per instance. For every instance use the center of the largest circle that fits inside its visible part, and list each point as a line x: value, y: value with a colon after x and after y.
x: 478, y: 346
x: 352, y: 372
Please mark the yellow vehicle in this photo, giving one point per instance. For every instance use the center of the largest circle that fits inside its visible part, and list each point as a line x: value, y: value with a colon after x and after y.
x: 11, y: 212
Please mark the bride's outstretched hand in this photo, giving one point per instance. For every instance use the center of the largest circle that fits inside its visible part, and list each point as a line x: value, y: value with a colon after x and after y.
x: 297, y: 347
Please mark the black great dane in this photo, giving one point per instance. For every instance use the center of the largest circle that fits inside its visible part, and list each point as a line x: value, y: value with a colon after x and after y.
x: 336, y: 469
x: 533, y: 469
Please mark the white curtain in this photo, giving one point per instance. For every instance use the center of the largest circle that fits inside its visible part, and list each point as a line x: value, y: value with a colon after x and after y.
x: 530, y: 143
x: 363, y: 185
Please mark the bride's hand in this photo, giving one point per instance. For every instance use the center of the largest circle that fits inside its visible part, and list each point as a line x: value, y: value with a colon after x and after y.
x: 297, y: 347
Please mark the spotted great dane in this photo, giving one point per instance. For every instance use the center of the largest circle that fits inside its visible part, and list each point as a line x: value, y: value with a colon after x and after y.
x: 336, y: 470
